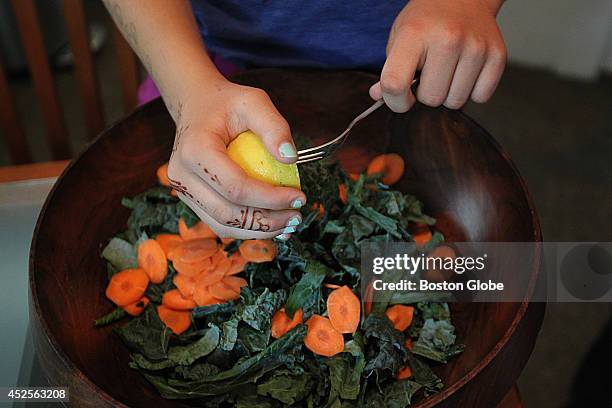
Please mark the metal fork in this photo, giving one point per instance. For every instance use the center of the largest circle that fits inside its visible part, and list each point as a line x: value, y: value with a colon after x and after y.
x: 326, y: 149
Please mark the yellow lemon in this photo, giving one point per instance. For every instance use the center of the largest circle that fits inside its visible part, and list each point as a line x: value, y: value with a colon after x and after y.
x: 249, y: 152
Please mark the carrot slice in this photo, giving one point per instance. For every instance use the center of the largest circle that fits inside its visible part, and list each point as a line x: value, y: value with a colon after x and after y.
x: 194, y: 250
x: 344, y: 310
x: 421, y: 233
x: 207, y: 278
x: 321, y: 337
x: 331, y: 286
x: 223, y: 292
x: 168, y: 242
x: 400, y: 316
x: 203, y: 296
x: 152, y: 259
x: 175, y: 300
x: 191, y: 268
x: 185, y: 284
x: 354, y: 176
x: 136, y: 308
x: 127, y: 286
x: 198, y: 230
x: 408, y: 343
x: 235, y: 283
x: 162, y: 175
x: 173, y: 193
x: 405, y: 372
x: 281, y: 323
x: 237, y: 264
x: 342, y: 193
x: 221, y: 261
x: 226, y: 241
x: 177, y: 320
x: 390, y: 165
x: 258, y: 250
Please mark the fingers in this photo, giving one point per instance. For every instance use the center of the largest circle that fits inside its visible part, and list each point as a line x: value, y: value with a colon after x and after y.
x: 235, y: 215
x: 261, y: 116
x: 467, y: 72
x: 215, y: 168
x: 491, y: 73
x: 397, y: 74
x: 224, y: 231
x: 438, y: 71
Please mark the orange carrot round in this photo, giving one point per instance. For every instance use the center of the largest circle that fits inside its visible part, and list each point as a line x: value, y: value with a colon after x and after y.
x: 344, y: 310
x: 390, y: 165
x: 207, y: 278
x: 162, y: 175
x: 235, y: 283
x: 136, y: 308
x: 223, y: 292
x: 331, y: 286
x: 177, y: 320
x: 185, y: 284
x: 198, y: 230
x: 195, y: 250
x: 405, y: 372
x: 342, y: 193
x: 400, y: 316
x: 152, y: 259
x: 175, y: 300
x: 258, y: 250
x: 321, y: 337
x: 421, y: 233
x: 168, y: 242
x: 281, y: 323
x: 191, y: 268
x: 203, y: 296
x: 408, y: 343
x: 237, y: 263
x: 127, y: 286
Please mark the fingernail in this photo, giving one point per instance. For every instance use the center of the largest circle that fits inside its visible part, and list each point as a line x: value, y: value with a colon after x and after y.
x: 289, y: 230
x: 297, y: 203
x: 283, y: 237
x: 293, y: 221
x: 287, y: 150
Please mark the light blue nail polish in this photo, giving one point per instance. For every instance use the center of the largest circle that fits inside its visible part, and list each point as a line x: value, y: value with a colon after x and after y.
x: 293, y: 221
x: 287, y: 150
x: 297, y: 204
x: 289, y: 230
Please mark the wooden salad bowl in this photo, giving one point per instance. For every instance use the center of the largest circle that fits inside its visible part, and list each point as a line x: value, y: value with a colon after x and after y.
x: 454, y: 166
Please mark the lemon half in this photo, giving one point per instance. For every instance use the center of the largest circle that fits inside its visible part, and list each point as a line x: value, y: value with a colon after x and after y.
x: 249, y: 152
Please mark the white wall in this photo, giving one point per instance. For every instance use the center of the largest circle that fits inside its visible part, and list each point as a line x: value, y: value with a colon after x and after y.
x: 570, y: 37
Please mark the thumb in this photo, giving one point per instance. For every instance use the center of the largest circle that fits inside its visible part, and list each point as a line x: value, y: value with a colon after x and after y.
x: 264, y: 119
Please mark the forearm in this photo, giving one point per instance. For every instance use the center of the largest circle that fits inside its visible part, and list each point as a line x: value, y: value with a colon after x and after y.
x: 165, y: 36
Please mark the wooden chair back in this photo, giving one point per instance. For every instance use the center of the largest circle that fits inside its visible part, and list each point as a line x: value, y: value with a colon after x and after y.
x: 44, y: 87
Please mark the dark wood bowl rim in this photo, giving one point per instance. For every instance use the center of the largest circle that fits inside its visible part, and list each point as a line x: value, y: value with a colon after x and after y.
x: 430, y: 401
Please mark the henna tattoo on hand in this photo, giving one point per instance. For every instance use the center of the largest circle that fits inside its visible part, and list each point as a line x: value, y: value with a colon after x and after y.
x: 213, y: 177
x: 251, y: 219
x: 181, y: 127
x: 180, y: 188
